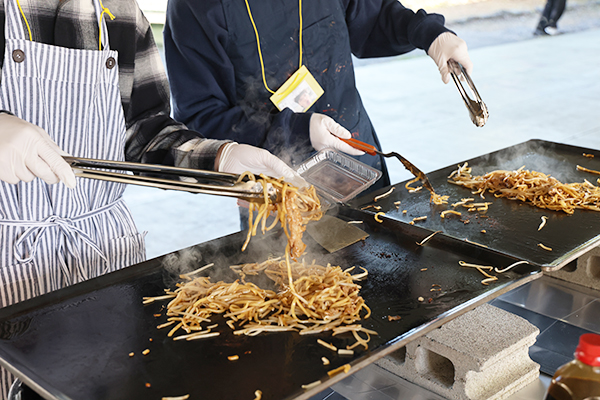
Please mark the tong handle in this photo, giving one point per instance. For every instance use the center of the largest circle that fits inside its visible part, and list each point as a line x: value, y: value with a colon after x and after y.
x: 151, y: 169
x: 245, y: 191
x: 477, y: 109
x: 357, y: 144
x: 456, y: 66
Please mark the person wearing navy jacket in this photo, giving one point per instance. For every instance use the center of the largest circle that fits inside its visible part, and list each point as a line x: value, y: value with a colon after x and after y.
x: 225, y: 58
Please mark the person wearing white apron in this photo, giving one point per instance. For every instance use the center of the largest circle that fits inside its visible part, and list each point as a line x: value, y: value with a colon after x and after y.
x: 63, y: 235
x: 55, y: 235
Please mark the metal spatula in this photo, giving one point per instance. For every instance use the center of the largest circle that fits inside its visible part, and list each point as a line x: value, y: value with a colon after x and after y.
x: 334, y: 234
x: 372, y: 150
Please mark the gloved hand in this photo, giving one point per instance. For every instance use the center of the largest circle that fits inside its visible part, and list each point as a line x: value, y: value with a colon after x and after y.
x: 324, y: 132
x: 238, y: 158
x: 26, y: 152
x: 449, y: 46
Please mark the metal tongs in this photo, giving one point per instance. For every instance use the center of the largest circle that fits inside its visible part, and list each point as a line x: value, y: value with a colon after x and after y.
x: 477, y: 109
x: 372, y: 150
x: 185, y: 179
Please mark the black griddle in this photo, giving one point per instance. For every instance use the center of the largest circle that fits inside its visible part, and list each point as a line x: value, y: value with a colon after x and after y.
x: 75, y: 343
x: 511, y: 227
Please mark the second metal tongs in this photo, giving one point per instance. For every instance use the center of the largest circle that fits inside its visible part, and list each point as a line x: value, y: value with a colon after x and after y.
x: 184, y: 179
x: 477, y: 109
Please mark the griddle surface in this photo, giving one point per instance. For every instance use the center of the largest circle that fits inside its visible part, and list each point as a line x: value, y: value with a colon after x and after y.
x: 511, y: 227
x: 75, y: 343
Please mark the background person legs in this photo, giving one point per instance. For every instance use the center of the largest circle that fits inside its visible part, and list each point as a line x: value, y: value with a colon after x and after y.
x: 556, y: 11
x: 550, y: 16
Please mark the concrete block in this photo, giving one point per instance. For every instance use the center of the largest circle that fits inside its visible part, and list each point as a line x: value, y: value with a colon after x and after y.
x: 480, y: 355
x: 585, y: 271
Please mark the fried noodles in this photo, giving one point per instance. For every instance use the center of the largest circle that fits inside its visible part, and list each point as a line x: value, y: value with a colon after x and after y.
x: 307, y: 298
x: 293, y: 208
x: 536, y: 188
x: 328, y: 298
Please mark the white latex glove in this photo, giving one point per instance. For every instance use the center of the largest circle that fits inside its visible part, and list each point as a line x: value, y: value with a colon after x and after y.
x: 324, y: 132
x: 26, y: 152
x: 239, y: 158
x: 449, y: 46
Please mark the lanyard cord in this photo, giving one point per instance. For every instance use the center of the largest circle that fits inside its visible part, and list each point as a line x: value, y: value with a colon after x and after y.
x: 26, y: 22
x: 104, y: 10
x: 107, y: 11
x: 262, y: 64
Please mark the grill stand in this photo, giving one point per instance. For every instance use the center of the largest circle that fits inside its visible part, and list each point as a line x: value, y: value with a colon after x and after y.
x: 480, y: 355
x: 585, y: 271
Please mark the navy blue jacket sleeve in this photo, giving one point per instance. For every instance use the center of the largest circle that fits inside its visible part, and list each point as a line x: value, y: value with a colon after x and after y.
x: 203, y: 82
x: 380, y: 28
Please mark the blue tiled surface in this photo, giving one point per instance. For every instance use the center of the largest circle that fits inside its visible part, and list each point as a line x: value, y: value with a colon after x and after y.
x: 561, y: 338
x: 327, y: 394
x: 375, y: 383
x: 335, y: 396
x: 551, y: 297
x: 588, y: 317
x: 549, y: 361
x: 561, y: 311
x: 540, y: 321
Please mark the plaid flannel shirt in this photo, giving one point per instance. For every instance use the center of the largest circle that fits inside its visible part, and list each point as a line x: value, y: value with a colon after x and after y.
x: 152, y: 135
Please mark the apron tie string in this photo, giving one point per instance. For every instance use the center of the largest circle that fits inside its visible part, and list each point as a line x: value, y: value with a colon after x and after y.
x: 71, y: 232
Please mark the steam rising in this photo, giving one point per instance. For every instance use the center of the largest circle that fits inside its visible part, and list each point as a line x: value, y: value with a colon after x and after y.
x: 183, y: 261
x: 535, y: 156
x: 259, y: 112
x: 188, y: 260
x: 227, y: 251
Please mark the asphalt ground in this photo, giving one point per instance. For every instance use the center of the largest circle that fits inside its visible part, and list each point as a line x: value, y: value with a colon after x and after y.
x: 535, y: 88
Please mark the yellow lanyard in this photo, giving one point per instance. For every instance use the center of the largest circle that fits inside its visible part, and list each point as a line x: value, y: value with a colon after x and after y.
x: 107, y: 11
x: 262, y: 65
x: 26, y: 22
x: 104, y: 10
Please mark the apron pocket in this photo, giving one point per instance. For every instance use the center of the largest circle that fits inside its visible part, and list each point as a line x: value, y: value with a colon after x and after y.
x: 126, y: 250
x: 19, y: 283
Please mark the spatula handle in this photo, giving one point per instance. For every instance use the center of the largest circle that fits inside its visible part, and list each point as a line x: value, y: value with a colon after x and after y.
x: 357, y: 144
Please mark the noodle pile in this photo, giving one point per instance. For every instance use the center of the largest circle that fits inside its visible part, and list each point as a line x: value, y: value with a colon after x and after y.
x: 308, y: 298
x: 327, y: 298
x: 539, y: 189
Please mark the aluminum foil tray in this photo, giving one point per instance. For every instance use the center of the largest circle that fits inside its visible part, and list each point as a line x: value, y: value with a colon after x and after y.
x: 337, y: 176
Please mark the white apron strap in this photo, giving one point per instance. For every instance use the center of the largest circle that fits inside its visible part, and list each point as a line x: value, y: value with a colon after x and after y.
x: 101, y: 12
x: 14, y: 26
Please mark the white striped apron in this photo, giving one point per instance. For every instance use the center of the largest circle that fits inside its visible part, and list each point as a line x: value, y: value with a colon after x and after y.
x: 52, y: 236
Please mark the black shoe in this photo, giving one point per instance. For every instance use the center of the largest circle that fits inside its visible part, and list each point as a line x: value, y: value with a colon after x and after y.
x: 540, y: 32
